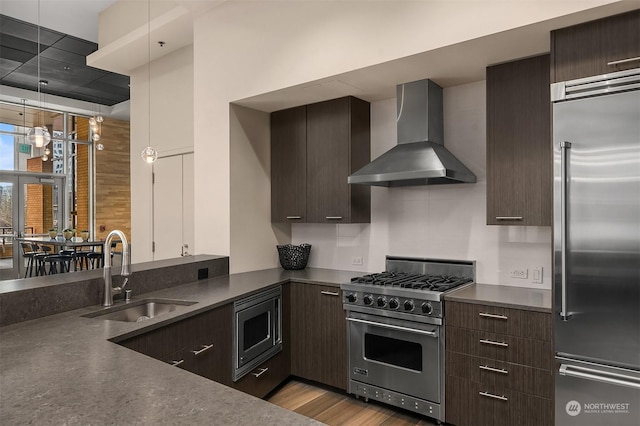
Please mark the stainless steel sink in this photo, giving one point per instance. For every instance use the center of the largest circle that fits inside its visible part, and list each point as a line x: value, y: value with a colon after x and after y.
x: 139, y: 310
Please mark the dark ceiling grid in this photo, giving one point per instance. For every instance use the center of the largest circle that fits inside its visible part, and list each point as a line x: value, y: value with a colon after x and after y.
x: 62, y: 64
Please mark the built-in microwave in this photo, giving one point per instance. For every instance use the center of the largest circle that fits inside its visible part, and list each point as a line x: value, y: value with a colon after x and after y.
x: 257, y: 330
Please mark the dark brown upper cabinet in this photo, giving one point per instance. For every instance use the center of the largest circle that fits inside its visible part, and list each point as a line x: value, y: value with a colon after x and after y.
x: 597, y: 47
x: 333, y: 142
x: 289, y: 165
x: 519, y: 150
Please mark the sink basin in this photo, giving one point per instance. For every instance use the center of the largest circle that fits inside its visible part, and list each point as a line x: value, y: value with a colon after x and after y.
x: 139, y: 310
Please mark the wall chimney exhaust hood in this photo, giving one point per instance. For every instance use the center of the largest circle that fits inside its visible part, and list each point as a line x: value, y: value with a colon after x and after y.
x: 420, y: 157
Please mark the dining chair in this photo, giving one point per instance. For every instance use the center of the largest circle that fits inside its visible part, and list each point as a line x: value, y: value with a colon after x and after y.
x: 29, y: 254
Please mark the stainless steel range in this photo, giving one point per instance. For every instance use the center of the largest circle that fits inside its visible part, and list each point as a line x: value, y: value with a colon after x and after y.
x: 395, y: 333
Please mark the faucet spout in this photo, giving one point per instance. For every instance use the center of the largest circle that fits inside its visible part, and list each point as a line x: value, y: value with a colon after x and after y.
x: 109, y: 291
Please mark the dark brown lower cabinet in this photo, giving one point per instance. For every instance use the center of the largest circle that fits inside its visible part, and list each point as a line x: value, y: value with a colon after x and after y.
x: 473, y: 403
x: 265, y: 377
x: 203, y: 345
x: 200, y: 344
x: 313, y: 332
x: 318, y: 334
x: 499, y: 366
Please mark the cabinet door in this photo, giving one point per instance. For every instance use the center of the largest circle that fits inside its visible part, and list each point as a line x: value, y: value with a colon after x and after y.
x: 519, y: 173
x: 318, y: 334
x: 199, y: 344
x: 289, y: 165
x: 208, y: 351
x: 328, y: 161
x: 596, y: 47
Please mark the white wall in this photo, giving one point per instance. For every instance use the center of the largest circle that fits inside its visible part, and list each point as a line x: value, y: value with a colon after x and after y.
x: 242, y: 49
x: 166, y: 124
x: 439, y: 221
x: 254, y: 236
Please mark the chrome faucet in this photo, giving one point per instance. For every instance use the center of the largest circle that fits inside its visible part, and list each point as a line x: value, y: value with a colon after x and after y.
x: 110, y: 291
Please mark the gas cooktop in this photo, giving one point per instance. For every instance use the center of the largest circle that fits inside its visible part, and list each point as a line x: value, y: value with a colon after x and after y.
x: 410, y: 288
x: 413, y: 281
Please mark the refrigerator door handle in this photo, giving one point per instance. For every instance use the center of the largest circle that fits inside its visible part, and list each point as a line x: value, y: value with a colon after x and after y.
x: 564, y: 231
x: 599, y: 376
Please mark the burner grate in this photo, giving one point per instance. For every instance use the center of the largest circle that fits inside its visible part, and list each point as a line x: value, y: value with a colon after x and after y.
x: 412, y: 281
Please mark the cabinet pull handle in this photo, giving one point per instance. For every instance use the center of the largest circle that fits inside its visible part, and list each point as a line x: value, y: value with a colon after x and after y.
x: 333, y: 217
x: 490, y: 395
x: 491, y: 342
x: 262, y: 371
x: 494, y: 316
x: 294, y: 217
x: 509, y: 217
x: 624, y: 61
x: 494, y: 370
x: 204, y: 348
x: 330, y: 293
x: 176, y: 363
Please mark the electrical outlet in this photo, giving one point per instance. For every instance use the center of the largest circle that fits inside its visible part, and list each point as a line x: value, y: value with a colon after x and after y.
x: 537, y: 275
x: 519, y: 273
x: 357, y: 260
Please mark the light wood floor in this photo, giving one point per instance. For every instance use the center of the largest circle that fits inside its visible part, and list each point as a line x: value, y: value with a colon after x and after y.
x: 337, y: 409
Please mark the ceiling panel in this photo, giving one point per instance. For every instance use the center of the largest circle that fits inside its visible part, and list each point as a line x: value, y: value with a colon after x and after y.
x: 69, y: 58
x: 62, y: 64
x: 76, y: 45
x: 27, y: 31
x: 7, y: 66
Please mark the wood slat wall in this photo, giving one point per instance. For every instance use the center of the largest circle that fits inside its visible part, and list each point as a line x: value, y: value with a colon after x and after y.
x: 112, y: 179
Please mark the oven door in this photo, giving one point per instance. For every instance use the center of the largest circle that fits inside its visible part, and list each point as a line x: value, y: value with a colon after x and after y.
x: 398, y: 355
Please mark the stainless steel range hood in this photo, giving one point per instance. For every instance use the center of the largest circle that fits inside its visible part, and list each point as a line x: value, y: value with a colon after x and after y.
x: 420, y: 157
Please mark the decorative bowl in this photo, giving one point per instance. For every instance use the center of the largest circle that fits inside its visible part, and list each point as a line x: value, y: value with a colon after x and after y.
x: 294, y: 257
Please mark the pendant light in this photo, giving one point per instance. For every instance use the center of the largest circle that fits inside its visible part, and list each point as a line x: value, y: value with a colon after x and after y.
x: 149, y: 154
x: 95, y: 124
x: 39, y: 135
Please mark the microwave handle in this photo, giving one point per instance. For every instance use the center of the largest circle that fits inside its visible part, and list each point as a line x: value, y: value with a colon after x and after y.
x: 277, y: 337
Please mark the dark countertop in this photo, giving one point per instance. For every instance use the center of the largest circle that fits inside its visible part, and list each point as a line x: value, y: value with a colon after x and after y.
x: 530, y: 299
x: 62, y: 369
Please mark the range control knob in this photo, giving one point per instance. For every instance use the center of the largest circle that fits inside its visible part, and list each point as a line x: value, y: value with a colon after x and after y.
x: 352, y: 298
x: 368, y: 299
x: 393, y: 303
x: 382, y: 302
x: 427, y: 308
x: 408, y: 305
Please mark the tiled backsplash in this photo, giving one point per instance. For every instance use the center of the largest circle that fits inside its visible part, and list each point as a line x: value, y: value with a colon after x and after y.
x: 439, y: 221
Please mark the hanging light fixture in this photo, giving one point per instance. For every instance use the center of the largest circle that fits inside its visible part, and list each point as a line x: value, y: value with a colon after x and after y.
x: 149, y: 154
x: 39, y: 135
x: 95, y: 123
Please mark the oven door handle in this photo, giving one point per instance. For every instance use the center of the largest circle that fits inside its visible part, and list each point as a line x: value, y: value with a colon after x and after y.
x: 395, y: 327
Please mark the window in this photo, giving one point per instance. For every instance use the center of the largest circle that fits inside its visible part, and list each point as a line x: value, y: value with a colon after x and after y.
x: 70, y: 152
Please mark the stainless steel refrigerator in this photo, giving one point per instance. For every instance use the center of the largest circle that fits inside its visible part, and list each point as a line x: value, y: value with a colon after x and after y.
x: 596, y: 137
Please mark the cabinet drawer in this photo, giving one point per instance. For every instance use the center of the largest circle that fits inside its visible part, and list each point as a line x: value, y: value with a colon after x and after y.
x: 264, y: 378
x: 529, y: 380
x: 501, y: 347
x: 470, y: 403
x: 495, y: 319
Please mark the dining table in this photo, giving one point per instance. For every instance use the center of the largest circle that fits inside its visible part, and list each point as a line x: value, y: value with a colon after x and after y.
x: 60, y: 243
